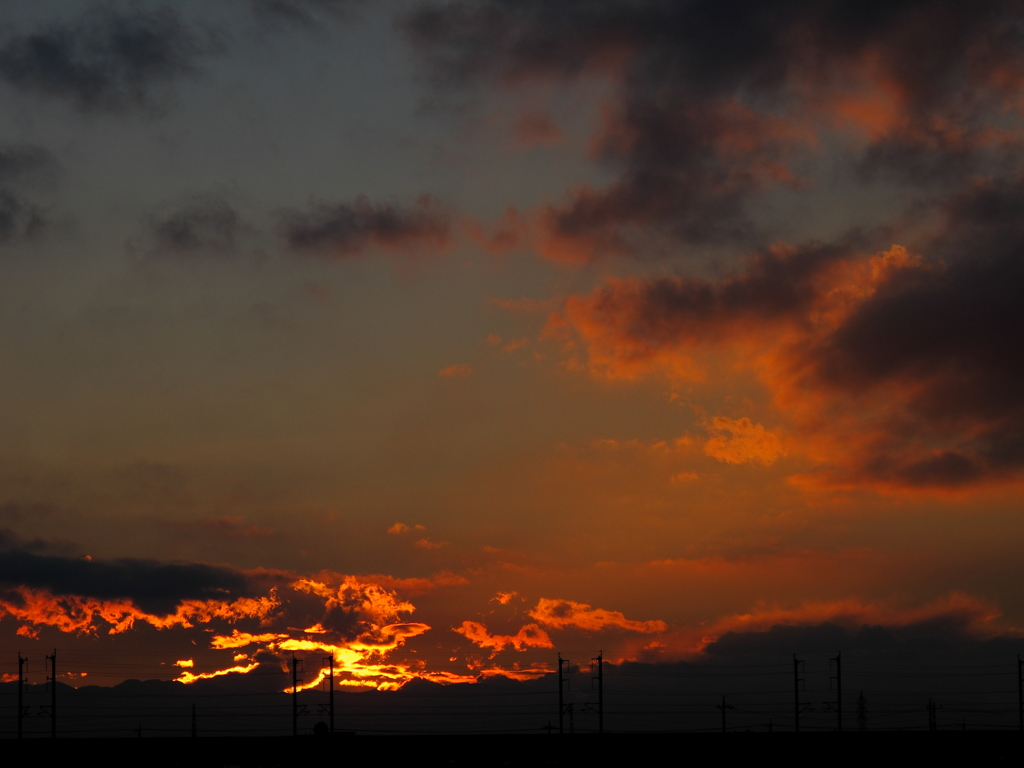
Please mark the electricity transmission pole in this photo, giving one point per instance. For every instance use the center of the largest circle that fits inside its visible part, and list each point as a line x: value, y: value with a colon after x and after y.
x: 21, y: 694
x: 839, y: 687
x: 53, y: 693
x: 600, y: 691
x: 723, y: 706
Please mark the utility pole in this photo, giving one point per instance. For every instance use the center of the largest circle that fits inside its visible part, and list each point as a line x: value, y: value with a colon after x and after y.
x: 330, y: 700
x: 796, y: 691
x: 53, y: 693
x: 295, y: 696
x: 600, y: 691
x: 839, y: 686
x: 21, y: 694
x: 862, y: 712
x: 723, y: 706
x: 193, y: 721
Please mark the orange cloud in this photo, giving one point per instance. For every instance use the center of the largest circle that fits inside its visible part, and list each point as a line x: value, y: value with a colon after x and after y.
x: 241, y: 639
x: 531, y: 671
x: 838, y: 340
x: 560, y: 614
x: 529, y: 636
x: 363, y: 624
x: 73, y: 613
x: 428, y: 544
x: 460, y: 371
x: 413, y: 586
x: 741, y: 441
x: 191, y: 677
x: 370, y: 629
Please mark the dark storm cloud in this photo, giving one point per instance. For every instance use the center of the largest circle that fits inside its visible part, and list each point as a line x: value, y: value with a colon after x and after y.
x: 106, y: 60
x: 153, y: 586
x: 348, y: 229
x: 303, y: 12
x: 778, y: 285
x: 921, y: 348
x: 717, y: 97
x: 11, y: 540
x: 20, y: 218
x: 17, y: 161
x: 946, y: 633
x: 205, y: 224
x: 949, y: 334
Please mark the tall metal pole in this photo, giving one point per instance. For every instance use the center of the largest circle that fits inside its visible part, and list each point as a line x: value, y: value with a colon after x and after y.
x: 723, y: 706
x: 600, y: 691
x: 295, y: 696
x: 21, y: 695
x: 561, y: 709
x: 53, y: 693
x: 839, y: 687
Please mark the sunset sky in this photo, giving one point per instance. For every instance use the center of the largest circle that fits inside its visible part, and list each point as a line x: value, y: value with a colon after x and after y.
x: 446, y: 336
